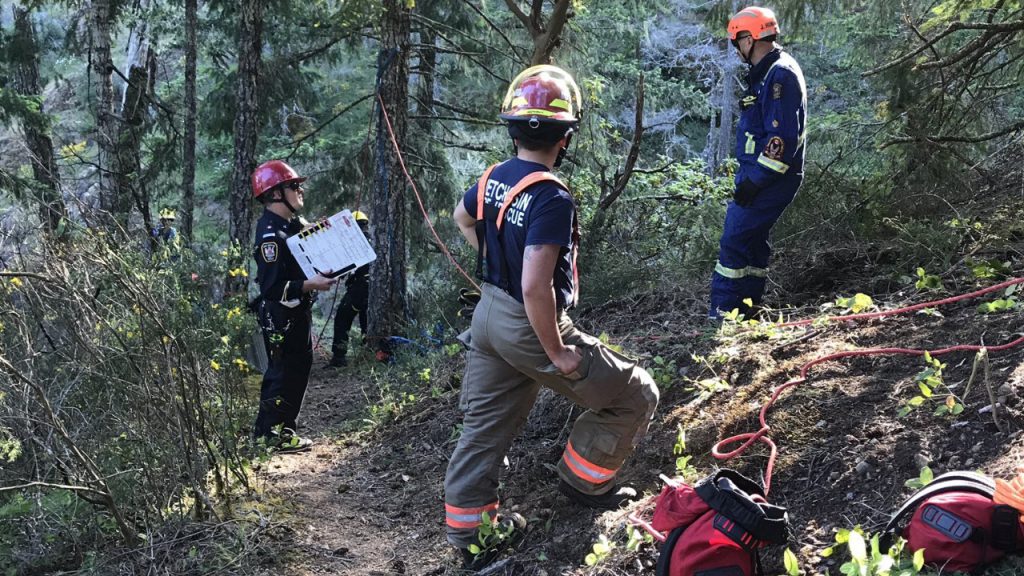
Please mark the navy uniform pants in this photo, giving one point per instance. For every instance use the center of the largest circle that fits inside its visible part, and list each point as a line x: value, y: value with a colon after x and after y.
x: 744, y: 250
x: 353, y: 305
x: 288, y: 338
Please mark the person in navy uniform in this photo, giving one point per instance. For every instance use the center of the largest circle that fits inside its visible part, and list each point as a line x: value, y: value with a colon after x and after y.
x: 353, y: 305
x: 283, y: 307
x: 770, y: 151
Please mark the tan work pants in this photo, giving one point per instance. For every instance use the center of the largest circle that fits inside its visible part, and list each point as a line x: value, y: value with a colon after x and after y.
x: 505, y: 368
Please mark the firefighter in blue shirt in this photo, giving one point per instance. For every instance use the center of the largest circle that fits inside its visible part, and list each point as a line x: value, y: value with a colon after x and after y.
x: 283, y: 308
x: 770, y: 150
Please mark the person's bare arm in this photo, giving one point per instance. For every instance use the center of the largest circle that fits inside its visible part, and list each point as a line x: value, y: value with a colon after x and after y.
x: 541, y: 306
x: 466, y: 224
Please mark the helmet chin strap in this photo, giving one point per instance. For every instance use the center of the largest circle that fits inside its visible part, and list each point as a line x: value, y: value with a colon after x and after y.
x: 564, y: 150
x: 284, y: 200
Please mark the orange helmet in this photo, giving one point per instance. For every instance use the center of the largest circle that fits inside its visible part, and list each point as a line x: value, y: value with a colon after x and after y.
x: 272, y: 174
x: 542, y: 93
x: 758, y: 22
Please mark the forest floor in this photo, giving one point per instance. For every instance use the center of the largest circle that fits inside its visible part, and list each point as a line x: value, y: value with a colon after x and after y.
x: 369, y: 500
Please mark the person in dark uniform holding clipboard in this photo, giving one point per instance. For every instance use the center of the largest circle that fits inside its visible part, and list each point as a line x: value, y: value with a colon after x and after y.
x: 284, y: 305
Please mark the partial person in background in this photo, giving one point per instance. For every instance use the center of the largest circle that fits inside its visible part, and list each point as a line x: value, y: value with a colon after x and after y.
x: 770, y: 150
x: 168, y: 244
x: 353, y: 305
x: 284, y: 306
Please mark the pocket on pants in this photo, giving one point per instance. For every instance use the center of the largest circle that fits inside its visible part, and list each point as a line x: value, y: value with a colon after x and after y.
x: 466, y: 379
x: 603, y: 376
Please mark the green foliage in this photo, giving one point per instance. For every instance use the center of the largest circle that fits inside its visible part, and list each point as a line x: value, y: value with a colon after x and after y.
x: 929, y: 382
x: 146, y: 374
x: 790, y: 562
x: 599, y: 551
x: 867, y: 559
x: 683, y: 466
x: 923, y: 479
x: 927, y: 281
x: 663, y: 371
x: 1007, y: 303
x: 857, y: 304
x: 490, y: 534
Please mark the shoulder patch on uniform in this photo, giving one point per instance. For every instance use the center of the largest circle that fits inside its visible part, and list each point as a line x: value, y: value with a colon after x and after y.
x: 776, y: 90
x: 774, y: 148
x: 269, y: 251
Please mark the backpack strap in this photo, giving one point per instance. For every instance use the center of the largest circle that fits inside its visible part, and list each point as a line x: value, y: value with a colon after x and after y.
x: 663, y: 568
x: 481, y: 226
x: 731, y: 494
x: 510, y: 196
x: 943, y: 484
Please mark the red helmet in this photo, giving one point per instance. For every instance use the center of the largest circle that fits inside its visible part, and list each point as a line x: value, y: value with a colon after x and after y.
x: 544, y: 93
x: 272, y: 174
x: 758, y: 22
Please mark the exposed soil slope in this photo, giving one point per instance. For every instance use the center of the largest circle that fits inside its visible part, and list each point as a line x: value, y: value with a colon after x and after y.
x: 370, y: 502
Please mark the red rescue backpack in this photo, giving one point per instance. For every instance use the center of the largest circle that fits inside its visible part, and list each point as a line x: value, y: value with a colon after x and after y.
x: 956, y: 522
x: 716, y: 527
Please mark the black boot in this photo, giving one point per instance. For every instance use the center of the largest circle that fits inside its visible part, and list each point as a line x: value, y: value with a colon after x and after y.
x: 613, y: 499
x: 337, y: 361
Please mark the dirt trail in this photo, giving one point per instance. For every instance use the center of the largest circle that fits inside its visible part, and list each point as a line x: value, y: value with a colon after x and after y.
x: 345, y: 511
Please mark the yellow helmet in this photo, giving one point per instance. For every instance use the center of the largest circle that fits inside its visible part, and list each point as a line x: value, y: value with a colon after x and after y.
x: 360, y: 217
x: 543, y: 93
x: 167, y: 214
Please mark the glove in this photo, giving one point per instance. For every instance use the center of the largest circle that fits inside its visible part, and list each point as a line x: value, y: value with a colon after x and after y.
x: 469, y: 298
x: 745, y: 193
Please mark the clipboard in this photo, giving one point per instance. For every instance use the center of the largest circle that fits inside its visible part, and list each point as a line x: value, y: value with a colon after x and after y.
x: 336, y: 244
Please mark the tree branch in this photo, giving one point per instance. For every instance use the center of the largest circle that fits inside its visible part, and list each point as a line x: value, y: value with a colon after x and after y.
x: 322, y: 126
x: 622, y: 178
x: 515, y: 49
x: 520, y: 15
x: 954, y: 27
x: 82, y: 489
x: 24, y: 275
x: 964, y: 139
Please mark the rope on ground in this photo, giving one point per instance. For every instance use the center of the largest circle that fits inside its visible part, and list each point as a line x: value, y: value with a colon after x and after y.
x: 761, y: 435
x: 419, y: 200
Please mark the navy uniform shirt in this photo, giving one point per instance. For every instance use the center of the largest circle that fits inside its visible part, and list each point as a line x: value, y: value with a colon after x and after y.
x: 541, y: 214
x: 278, y: 274
x: 770, y: 135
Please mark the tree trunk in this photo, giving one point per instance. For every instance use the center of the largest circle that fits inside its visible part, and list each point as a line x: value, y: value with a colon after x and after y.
x: 721, y: 141
x: 387, y: 309
x: 128, y: 153
x: 247, y: 125
x: 106, y: 122
x: 188, y: 170
x: 26, y: 82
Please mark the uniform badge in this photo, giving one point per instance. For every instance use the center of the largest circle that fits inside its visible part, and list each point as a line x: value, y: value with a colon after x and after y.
x: 774, y: 148
x: 776, y: 91
x: 269, y: 251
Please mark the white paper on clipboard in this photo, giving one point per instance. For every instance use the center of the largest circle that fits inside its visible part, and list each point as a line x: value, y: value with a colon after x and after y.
x: 335, y: 244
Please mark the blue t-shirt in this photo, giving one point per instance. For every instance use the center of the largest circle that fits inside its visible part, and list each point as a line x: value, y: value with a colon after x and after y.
x: 541, y: 214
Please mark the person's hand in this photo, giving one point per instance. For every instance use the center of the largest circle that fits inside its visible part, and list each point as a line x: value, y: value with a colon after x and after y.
x: 745, y: 193
x: 567, y: 360
x: 320, y: 282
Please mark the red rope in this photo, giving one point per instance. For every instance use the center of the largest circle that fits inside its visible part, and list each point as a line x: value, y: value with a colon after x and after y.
x: 761, y: 435
x: 426, y: 217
